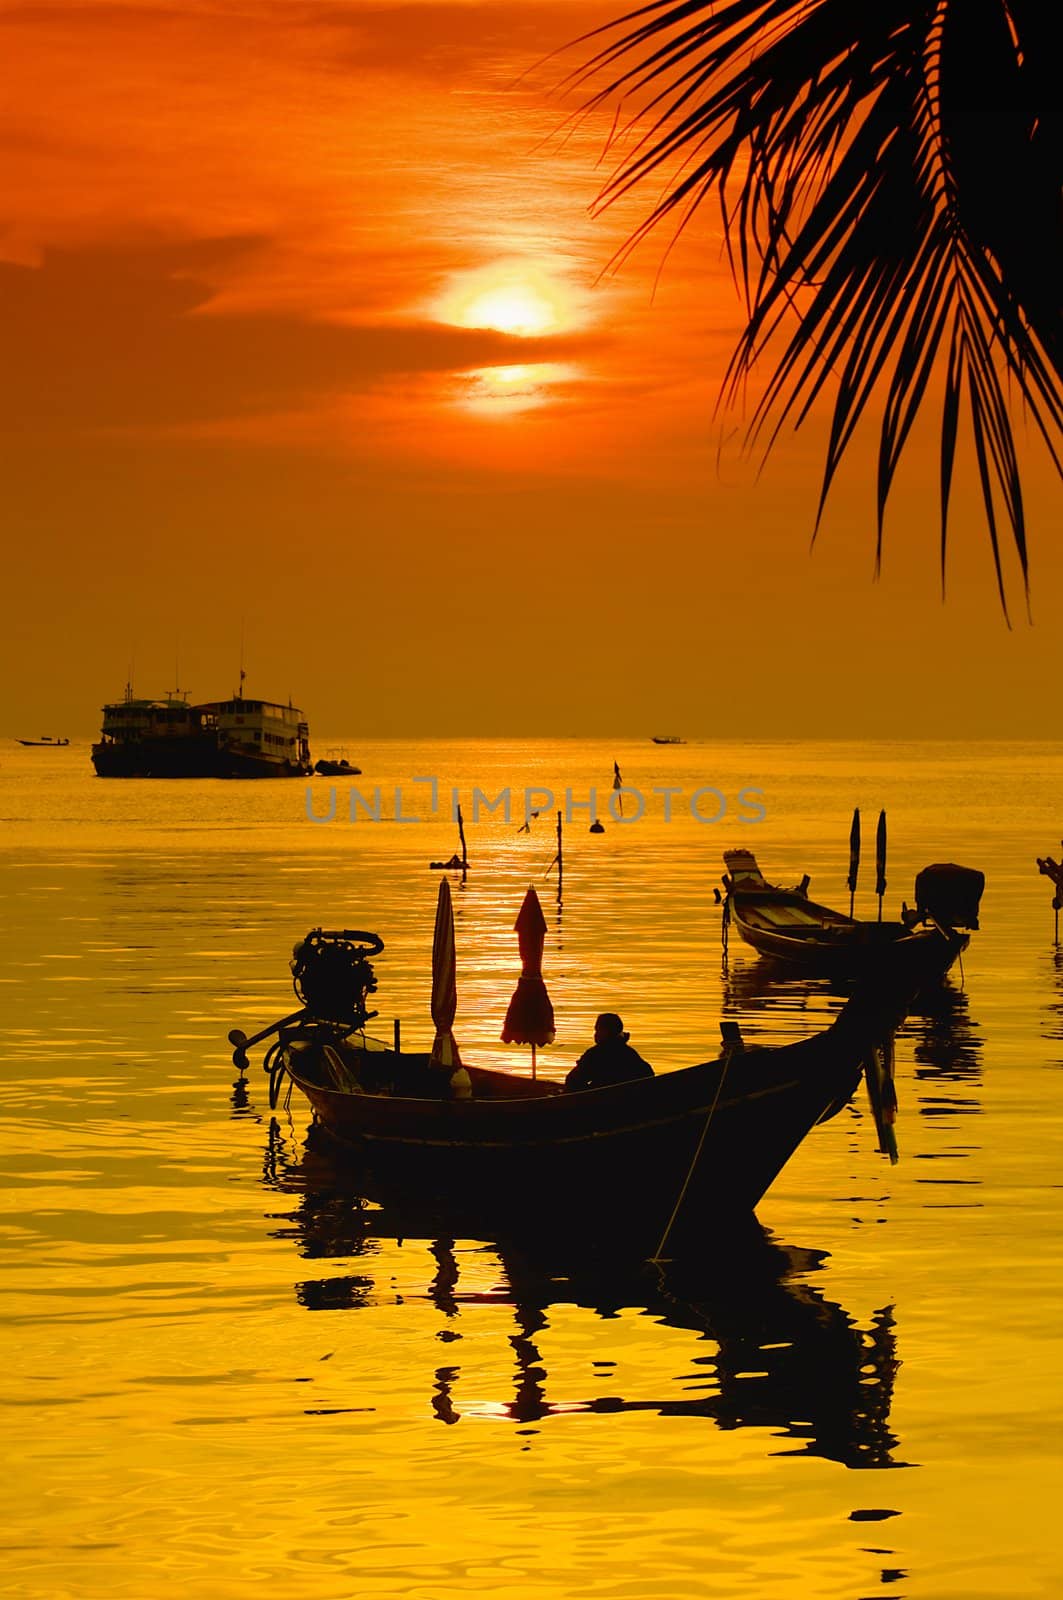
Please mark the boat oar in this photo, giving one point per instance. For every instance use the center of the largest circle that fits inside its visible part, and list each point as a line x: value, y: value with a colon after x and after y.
x: 880, y: 861
x: 854, y: 858
x: 882, y: 1093
x: 241, y: 1043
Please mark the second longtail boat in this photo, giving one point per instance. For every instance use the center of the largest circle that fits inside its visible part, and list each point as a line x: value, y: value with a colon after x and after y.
x: 784, y: 925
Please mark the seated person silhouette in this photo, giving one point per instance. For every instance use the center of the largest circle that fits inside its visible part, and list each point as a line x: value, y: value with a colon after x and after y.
x: 610, y: 1059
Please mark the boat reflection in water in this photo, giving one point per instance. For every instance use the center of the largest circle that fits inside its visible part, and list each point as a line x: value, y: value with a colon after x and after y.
x: 1051, y: 973
x: 945, y: 1043
x: 779, y: 1355
x: 947, y: 1046
x: 759, y: 988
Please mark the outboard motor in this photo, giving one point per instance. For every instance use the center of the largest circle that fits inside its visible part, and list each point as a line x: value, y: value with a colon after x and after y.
x: 333, y: 974
x: 949, y: 894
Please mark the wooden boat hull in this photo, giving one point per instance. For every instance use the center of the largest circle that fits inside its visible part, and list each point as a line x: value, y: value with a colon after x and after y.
x: 691, y: 1150
x: 843, y: 948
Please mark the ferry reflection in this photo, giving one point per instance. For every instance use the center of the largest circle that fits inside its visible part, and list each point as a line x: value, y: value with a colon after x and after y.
x: 778, y: 1354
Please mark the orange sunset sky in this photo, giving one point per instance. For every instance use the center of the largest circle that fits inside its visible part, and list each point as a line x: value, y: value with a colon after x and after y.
x: 306, y: 337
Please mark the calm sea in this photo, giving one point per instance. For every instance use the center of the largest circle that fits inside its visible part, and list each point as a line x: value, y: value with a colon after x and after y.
x: 224, y: 1378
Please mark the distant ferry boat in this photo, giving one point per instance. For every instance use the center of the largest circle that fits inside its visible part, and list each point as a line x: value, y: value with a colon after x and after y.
x: 667, y: 738
x: 46, y: 742
x: 169, y: 738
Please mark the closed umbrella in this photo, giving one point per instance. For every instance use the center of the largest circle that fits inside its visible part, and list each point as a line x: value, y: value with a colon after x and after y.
x: 854, y: 857
x: 530, y: 1017
x: 880, y: 861
x: 444, y: 983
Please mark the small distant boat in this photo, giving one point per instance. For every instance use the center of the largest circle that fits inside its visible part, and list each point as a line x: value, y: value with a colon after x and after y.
x: 334, y: 764
x: 667, y: 738
x: 784, y: 925
x: 46, y: 742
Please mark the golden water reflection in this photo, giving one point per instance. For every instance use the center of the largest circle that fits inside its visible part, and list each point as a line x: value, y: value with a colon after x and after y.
x: 448, y: 1400
x: 1053, y: 985
x: 769, y: 1350
x: 946, y: 1042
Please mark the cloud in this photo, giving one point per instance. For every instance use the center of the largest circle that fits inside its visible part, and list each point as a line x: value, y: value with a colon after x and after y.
x: 413, y: 37
x: 107, y: 337
x: 456, y: 41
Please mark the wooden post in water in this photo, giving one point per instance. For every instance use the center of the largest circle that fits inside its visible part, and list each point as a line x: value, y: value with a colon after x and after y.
x: 560, y: 860
x: 398, y: 1035
x: 1052, y: 869
x: 464, y: 848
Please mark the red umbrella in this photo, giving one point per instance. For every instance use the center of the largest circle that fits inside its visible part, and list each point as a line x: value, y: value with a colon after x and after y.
x: 530, y: 1018
x: 444, y: 983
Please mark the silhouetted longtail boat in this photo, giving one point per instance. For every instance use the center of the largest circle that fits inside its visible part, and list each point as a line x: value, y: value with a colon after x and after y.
x: 674, y: 1157
x: 784, y: 925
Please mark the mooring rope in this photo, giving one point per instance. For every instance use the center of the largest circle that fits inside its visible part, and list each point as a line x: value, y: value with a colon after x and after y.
x: 274, y: 1067
x: 656, y: 1257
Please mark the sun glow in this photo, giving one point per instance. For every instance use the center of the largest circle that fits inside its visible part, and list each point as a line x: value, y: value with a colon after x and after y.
x: 501, y: 391
x: 519, y: 308
x: 523, y: 301
x: 515, y: 299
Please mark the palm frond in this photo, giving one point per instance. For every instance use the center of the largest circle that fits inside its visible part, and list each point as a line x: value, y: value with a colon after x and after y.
x: 891, y: 173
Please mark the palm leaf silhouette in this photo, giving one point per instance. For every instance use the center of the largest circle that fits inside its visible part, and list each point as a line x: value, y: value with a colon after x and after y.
x: 891, y: 172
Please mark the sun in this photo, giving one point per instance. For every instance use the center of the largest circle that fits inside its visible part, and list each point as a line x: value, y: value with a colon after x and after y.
x: 512, y: 308
x: 515, y: 299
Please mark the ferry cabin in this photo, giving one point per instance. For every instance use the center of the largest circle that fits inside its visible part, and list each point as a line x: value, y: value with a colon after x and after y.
x: 261, y: 729
x: 129, y: 720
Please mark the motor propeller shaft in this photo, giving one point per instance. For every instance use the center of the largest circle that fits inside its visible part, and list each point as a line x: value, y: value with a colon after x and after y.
x: 241, y: 1043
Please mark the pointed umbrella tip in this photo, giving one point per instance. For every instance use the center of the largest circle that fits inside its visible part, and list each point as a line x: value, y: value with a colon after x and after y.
x: 530, y: 914
x: 530, y: 1017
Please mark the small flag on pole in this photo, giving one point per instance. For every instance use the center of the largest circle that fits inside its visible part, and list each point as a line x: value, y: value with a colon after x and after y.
x: 618, y: 786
